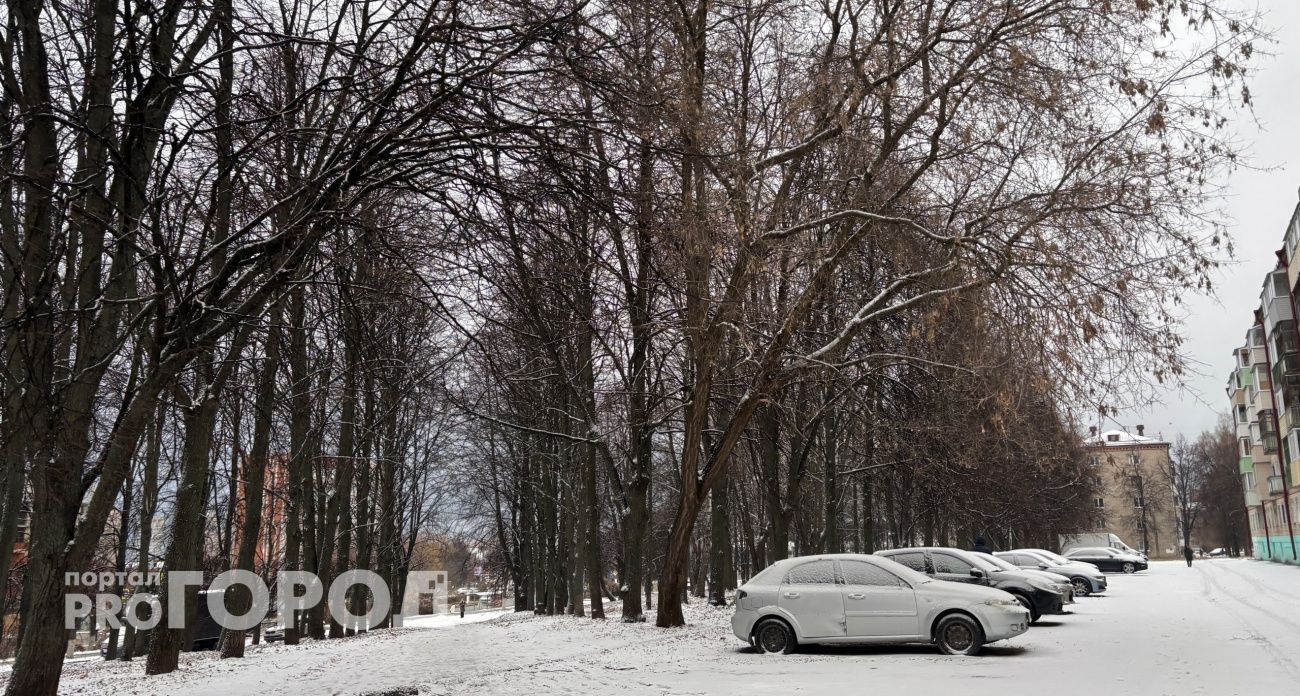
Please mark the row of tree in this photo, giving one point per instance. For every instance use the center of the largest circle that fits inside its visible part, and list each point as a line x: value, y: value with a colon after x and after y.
x: 827, y: 274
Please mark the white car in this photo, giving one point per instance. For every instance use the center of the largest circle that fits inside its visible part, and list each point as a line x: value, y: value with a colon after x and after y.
x: 855, y: 598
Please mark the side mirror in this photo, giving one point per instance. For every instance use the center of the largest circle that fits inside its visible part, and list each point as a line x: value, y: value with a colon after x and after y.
x: 976, y: 573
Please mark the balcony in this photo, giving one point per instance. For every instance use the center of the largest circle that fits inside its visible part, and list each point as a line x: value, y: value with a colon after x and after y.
x: 1275, y: 301
x: 1291, y: 245
x: 1245, y: 465
x: 1252, y: 499
x: 1260, y: 380
x: 1275, y: 485
x: 1264, y: 431
x: 1245, y: 377
x: 1284, y: 339
x: 1292, y: 447
x: 1261, y: 402
x: 1286, y: 369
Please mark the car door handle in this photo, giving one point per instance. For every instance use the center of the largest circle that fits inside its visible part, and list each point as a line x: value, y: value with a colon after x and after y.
x: 792, y: 595
x: 857, y: 595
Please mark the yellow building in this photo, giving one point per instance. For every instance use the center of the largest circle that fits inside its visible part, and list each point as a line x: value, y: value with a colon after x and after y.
x: 1136, y: 501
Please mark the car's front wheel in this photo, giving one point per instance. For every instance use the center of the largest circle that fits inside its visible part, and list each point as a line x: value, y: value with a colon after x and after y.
x: 958, y: 634
x: 1028, y: 605
x: 774, y: 636
x: 1082, y: 588
x: 1128, y: 567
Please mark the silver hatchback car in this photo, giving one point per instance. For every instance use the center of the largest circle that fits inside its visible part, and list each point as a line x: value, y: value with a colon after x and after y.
x: 855, y: 598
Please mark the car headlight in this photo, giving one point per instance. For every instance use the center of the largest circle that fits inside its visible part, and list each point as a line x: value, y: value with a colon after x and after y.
x: 1043, y: 585
x: 1002, y: 602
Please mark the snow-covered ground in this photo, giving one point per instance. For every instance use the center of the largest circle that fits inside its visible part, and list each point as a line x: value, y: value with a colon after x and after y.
x: 1222, y: 627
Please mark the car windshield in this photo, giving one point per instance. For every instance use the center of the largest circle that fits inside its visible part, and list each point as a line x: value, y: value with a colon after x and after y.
x: 1053, y: 557
x: 977, y: 559
x: 999, y: 563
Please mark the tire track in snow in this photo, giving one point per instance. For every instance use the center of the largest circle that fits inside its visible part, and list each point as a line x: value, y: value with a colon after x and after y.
x: 1260, y: 585
x: 567, y: 663
x: 1215, y: 593
x: 1257, y: 585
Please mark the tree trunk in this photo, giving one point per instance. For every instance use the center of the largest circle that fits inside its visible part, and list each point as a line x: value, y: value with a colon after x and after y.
x: 254, y: 484
x: 719, y: 542
x: 123, y: 536
x: 148, y: 503
x: 187, y: 527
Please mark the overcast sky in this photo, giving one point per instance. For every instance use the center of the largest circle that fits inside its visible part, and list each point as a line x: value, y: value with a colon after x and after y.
x: 1260, y: 204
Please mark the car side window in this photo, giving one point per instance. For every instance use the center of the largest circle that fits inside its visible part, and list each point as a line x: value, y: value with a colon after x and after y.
x: 812, y: 573
x: 944, y: 563
x: 915, y: 561
x: 863, y: 573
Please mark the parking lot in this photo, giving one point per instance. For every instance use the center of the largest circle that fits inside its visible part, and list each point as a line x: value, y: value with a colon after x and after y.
x: 1222, y: 627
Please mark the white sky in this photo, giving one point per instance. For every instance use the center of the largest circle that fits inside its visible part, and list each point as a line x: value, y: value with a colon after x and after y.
x: 1260, y: 202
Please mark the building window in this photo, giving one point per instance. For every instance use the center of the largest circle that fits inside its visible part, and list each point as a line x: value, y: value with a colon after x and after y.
x: 1113, y: 437
x: 1101, y: 524
x: 1134, y: 460
x: 1137, y: 501
x: 1098, y: 503
x: 1094, y: 460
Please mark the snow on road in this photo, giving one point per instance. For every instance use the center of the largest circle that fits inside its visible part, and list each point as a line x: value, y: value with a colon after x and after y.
x: 1220, y: 628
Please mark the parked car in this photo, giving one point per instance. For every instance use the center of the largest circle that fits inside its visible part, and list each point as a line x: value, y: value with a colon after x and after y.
x: 206, y: 631
x: 1094, y: 540
x: 1084, y: 577
x: 1108, y: 560
x: 854, y: 598
x: 1218, y: 553
x: 942, y: 563
x: 1063, y: 586
x: 1053, y: 556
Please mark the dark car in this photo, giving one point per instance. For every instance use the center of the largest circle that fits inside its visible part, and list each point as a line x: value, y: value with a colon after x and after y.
x: 954, y: 565
x: 206, y: 631
x: 1108, y: 560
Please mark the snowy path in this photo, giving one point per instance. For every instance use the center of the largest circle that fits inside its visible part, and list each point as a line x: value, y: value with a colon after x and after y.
x: 1223, y: 627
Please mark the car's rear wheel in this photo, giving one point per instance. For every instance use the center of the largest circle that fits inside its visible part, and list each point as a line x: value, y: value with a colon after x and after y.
x: 1128, y: 567
x: 958, y: 634
x: 1082, y: 588
x: 774, y: 636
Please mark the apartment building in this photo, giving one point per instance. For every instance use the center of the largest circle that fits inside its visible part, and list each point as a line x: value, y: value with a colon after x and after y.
x: 1264, y: 392
x: 1135, y: 501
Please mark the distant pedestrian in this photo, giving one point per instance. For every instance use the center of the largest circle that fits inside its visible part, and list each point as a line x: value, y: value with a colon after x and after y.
x: 462, y: 601
x: 980, y: 546
x: 1187, y: 553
